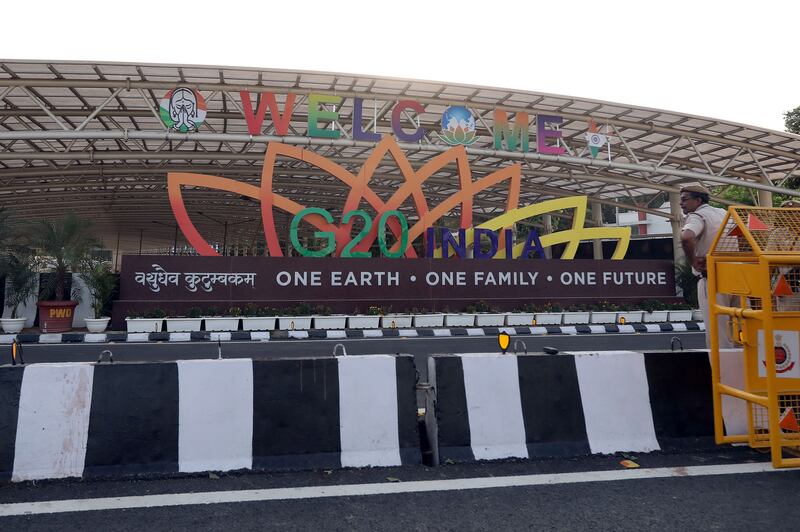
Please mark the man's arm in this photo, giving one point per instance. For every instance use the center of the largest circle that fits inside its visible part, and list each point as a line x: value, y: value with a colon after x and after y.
x: 689, y: 243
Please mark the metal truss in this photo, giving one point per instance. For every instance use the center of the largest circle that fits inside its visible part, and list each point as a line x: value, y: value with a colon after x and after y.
x: 87, y: 137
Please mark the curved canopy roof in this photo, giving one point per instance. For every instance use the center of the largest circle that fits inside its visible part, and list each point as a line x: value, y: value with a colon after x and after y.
x: 88, y: 138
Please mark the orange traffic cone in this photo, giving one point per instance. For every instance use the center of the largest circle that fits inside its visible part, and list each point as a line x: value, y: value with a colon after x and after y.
x: 754, y: 224
x: 782, y: 287
x: 788, y: 421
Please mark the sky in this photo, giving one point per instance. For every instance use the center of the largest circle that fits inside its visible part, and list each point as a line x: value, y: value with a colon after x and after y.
x: 734, y: 60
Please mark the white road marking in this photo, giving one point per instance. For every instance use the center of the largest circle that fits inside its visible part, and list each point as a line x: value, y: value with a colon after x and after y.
x: 390, y: 488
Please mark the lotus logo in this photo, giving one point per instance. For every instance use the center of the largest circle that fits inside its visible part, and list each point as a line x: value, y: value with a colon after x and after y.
x: 458, y: 126
x: 410, y: 191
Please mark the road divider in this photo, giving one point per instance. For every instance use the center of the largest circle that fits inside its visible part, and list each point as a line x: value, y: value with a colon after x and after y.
x: 75, y: 419
x: 492, y: 406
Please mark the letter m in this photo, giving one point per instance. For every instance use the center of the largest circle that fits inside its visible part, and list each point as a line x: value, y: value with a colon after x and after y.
x: 513, y: 137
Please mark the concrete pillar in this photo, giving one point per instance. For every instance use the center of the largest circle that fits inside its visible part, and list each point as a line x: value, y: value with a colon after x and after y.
x: 597, y: 244
x: 677, y: 223
x: 547, y: 220
x: 764, y: 198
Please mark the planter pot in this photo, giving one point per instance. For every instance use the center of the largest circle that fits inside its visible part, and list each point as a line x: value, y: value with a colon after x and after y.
x: 603, y: 316
x: 13, y: 325
x: 459, y: 320
x: 363, y: 322
x: 428, y: 320
x: 337, y: 321
x: 490, y: 320
x: 222, y: 323
x: 631, y: 316
x: 396, y: 321
x: 521, y: 319
x: 697, y: 315
x: 657, y: 316
x: 548, y: 318
x: 294, y: 323
x: 258, y: 323
x: 183, y: 324
x: 96, y: 325
x: 56, y: 316
x: 576, y: 318
x: 143, y: 325
x: 680, y: 315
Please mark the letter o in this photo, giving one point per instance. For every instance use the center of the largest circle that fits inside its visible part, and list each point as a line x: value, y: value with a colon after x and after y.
x: 432, y: 278
x: 283, y: 278
x: 566, y: 277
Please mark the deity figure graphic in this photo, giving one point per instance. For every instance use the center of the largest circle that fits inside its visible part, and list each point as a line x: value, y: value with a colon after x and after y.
x: 183, y: 110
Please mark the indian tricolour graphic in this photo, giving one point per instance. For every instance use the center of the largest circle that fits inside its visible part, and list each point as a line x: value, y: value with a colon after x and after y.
x: 183, y: 110
x: 594, y: 139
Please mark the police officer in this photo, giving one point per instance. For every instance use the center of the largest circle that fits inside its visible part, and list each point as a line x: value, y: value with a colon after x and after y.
x: 701, y: 226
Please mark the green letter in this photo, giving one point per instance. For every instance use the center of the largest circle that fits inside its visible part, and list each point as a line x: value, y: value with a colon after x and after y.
x: 347, y: 251
x: 315, y: 115
x: 403, y: 234
x: 305, y: 252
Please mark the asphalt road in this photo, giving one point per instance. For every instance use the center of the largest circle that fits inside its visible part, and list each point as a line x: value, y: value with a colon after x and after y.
x: 749, y: 501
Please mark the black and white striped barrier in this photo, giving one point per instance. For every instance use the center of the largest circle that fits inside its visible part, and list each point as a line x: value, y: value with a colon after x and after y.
x: 71, y: 420
x: 488, y: 406
x: 327, y: 334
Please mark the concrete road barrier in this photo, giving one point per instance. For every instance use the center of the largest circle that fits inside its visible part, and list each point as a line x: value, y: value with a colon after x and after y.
x: 72, y: 420
x: 490, y: 406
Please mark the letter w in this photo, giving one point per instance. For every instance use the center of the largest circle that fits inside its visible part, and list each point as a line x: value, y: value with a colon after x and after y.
x: 255, y: 121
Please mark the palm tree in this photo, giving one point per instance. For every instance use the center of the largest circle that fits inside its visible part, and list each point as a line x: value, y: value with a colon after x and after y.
x: 63, y: 246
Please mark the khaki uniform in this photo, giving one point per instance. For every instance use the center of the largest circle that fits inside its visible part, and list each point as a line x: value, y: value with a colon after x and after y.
x: 704, y: 222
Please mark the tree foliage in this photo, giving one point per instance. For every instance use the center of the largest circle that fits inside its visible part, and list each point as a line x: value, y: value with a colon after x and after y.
x: 792, y: 120
x: 62, y: 246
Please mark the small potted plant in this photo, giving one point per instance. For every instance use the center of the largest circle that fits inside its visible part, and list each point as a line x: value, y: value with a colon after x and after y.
x: 100, y: 284
x: 460, y: 319
x: 370, y: 320
x: 549, y: 314
x: 216, y: 322
x: 628, y: 315
x: 520, y: 317
x: 488, y: 316
x: 654, y: 311
x: 21, y: 283
x: 679, y: 312
x: 576, y: 315
x: 424, y: 318
x: 145, y: 322
x: 323, y: 319
x: 603, y: 312
x: 298, y: 318
x: 255, y: 318
x: 189, y: 323
x: 394, y: 320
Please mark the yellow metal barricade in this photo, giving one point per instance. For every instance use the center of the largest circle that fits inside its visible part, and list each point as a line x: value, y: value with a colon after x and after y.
x: 756, y: 256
